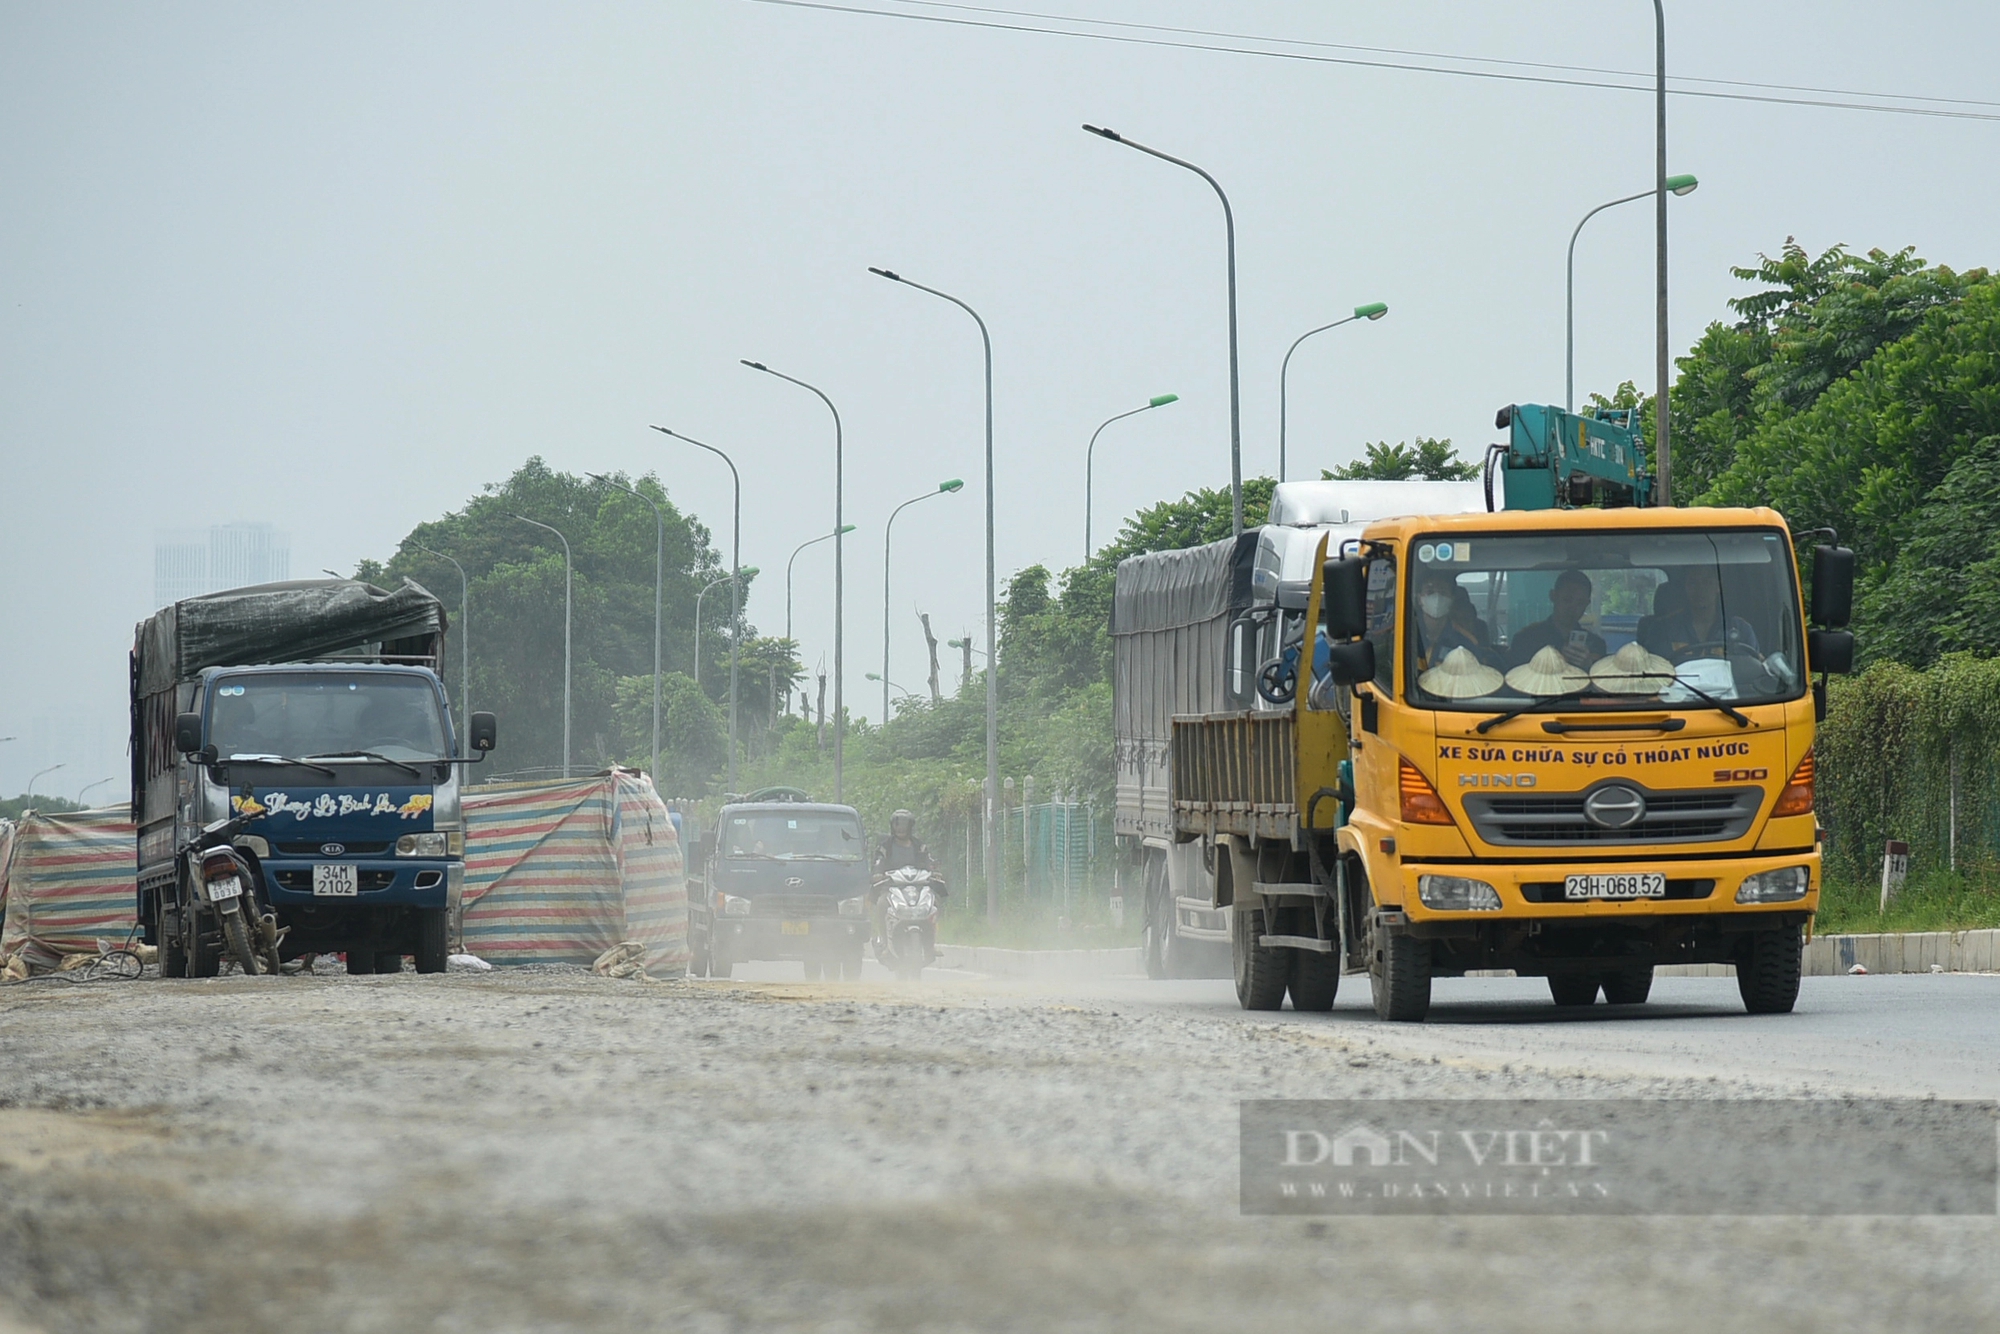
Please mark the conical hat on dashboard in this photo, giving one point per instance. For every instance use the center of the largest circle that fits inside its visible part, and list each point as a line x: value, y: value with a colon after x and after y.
x: 1460, y: 676
x: 1632, y: 670
x: 1548, y: 673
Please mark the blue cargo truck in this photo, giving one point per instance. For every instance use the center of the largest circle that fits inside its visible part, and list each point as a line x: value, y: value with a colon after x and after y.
x: 304, y: 725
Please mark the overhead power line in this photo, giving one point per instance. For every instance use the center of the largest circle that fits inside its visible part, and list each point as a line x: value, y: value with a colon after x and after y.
x: 1836, y: 101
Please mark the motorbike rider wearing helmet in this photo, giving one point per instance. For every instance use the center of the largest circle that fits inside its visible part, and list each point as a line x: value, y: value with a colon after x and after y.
x: 898, y: 849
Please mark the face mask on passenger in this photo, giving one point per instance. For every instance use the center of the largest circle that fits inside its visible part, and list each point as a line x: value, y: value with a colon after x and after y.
x: 1435, y: 605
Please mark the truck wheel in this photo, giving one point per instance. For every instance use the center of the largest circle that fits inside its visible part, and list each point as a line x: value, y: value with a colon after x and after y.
x: 432, y: 950
x: 1628, y: 986
x: 361, y: 963
x: 173, y: 952
x: 718, y: 966
x: 236, y: 934
x: 1159, y: 917
x: 1400, y: 978
x: 850, y: 967
x: 1767, y: 971
x: 1315, y: 980
x: 813, y: 970
x: 1572, y: 989
x: 389, y: 961
x: 1262, y: 971
x: 204, y: 951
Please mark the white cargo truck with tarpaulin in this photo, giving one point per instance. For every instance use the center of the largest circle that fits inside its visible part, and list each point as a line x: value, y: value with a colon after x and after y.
x: 311, y: 712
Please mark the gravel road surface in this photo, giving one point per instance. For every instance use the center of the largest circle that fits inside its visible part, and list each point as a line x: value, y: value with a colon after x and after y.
x: 546, y: 1150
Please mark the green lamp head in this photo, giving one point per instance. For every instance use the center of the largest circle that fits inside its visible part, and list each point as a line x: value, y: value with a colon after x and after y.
x: 1161, y: 400
x: 954, y: 484
x: 1374, y: 310
x: 1682, y: 185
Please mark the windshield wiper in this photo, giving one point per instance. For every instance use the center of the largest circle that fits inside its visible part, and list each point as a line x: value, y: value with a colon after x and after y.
x: 1741, y: 720
x: 276, y: 759
x: 821, y: 857
x: 369, y: 755
x: 1512, y: 714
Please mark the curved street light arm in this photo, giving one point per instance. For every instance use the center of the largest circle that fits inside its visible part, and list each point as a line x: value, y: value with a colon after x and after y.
x: 569, y: 569
x: 735, y: 567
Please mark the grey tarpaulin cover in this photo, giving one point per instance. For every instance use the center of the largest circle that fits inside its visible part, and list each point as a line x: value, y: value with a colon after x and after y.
x: 1165, y: 590
x: 286, y: 622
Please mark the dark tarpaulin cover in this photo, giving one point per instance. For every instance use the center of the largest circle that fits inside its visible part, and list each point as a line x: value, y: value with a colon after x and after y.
x: 287, y: 622
x: 1165, y: 590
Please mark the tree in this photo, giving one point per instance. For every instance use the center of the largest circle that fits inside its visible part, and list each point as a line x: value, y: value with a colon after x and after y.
x: 1432, y: 460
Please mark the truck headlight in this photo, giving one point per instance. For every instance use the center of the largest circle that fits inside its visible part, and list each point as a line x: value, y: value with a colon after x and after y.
x: 854, y: 907
x: 1783, y: 885
x: 1455, y: 893
x: 731, y: 905
x: 422, y: 845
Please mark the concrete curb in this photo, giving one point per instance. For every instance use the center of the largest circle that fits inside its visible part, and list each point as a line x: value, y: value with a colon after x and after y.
x: 1825, y: 956
x: 1061, y: 964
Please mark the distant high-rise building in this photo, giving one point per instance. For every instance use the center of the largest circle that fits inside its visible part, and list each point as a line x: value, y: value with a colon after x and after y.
x: 207, y: 560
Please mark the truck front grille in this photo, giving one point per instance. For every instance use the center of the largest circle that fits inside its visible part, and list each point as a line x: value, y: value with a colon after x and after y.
x: 312, y: 849
x: 1716, y: 816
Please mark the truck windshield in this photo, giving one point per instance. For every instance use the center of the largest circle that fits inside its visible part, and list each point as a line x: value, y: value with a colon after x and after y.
x: 789, y: 836
x: 301, y: 714
x: 1607, y: 619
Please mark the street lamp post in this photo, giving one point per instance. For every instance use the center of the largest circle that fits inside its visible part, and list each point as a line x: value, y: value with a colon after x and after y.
x: 87, y: 787
x: 989, y: 833
x: 1090, y: 457
x: 1235, y: 386
x: 568, y: 581
x: 1374, y: 310
x: 1663, y: 457
x: 809, y: 542
x: 943, y: 488
x: 839, y: 579
x: 659, y: 580
x: 716, y: 582
x: 38, y: 778
x: 736, y: 588
x: 1677, y: 185
x: 464, y: 632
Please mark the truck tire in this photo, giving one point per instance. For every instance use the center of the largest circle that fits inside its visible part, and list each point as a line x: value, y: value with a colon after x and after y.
x: 389, y: 961
x: 1159, y: 918
x: 204, y: 950
x: 813, y: 969
x: 1315, y: 980
x: 432, y: 947
x: 361, y: 963
x: 1262, y: 971
x: 1628, y: 986
x: 1767, y: 971
x: 173, y: 951
x: 236, y: 937
x: 1399, y: 976
x: 1573, y: 989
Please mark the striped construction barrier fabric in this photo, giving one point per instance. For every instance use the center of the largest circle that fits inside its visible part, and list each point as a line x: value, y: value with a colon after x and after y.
x: 560, y: 872
x: 69, y: 884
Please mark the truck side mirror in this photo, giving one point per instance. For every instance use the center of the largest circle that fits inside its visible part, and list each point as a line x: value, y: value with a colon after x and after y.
x: 187, y: 733
x: 704, y: 848
x: 1830, y: 651
x: 1351, y: 664
x: 1343, y: 607
x: 1832, y: 586
x: 485, y: 732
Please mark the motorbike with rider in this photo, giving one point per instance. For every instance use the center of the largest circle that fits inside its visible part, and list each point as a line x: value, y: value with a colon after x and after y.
x: 904, y: 898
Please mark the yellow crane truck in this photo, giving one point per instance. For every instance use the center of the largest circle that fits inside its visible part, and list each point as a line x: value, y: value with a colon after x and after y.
x: 1569, y: 735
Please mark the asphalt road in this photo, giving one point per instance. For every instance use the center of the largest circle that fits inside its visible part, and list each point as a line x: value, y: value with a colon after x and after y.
x: 552, y: 1151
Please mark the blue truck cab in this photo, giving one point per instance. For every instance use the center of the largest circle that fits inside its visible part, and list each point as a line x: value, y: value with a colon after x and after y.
x: 347, y: 764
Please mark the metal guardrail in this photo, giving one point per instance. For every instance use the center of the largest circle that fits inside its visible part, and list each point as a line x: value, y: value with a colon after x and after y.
x: 1234, y: 773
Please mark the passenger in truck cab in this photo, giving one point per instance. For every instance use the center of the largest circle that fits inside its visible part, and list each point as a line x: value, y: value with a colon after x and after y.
x: 1563, y: 628
x: 1699, y: 628
x: 1440, y: 628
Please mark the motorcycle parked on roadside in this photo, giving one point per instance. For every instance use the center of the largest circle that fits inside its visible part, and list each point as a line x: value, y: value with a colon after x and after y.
x: 911, y: 896
x: 222, y: 909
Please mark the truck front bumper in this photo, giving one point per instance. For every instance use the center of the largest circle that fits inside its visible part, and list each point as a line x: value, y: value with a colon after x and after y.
x: 400, y: 882
x: 1538, y: 890
x: 742, y: 939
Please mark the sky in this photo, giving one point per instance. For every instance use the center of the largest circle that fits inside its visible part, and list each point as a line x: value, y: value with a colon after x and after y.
x: 335, y: 267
